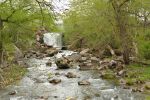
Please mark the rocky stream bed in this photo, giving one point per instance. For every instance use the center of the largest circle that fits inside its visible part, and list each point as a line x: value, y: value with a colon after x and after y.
x: 47, y: 81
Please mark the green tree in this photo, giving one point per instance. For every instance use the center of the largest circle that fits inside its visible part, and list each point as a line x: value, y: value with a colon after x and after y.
x: 21, y: 17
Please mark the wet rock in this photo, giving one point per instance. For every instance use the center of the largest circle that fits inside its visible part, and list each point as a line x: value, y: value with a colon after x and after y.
x: 116, y: 97
x: 43, y: 98
x: 55, y: 96
x: 63, y: 63
x: 97, y: 95
x: 126, y: 87
x: 87, y: 98
x: 57, y: 73
x: 74, y: 57
x: 84, y: 82
x: 51, y: 52
x: 48, y: 63
x: 55, y: 81
x: 112, y: 64
x: 70, y: 75
x: 136, y: 89
x: 85, y: 66
x: 83, y: 52
x: 12, y: 92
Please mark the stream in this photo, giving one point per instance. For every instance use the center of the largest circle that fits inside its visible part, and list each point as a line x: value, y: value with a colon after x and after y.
x: 35, y: 84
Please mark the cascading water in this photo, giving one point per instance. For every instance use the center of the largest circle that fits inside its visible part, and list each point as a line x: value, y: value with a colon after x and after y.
x: 53, y: 39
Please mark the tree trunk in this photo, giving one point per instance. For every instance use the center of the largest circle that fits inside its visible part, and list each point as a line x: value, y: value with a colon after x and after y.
x: 123, y: 36
x: 1, y: 42
x: 121, y: 20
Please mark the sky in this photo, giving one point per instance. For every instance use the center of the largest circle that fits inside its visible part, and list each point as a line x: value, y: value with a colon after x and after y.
x: 60, y: 5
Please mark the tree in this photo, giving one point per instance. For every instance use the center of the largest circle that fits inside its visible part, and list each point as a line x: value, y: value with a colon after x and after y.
x: 24, y: 15
x: 109, y: 22
x: 121, y: 20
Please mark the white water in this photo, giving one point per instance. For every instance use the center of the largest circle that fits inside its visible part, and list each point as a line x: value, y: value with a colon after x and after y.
x: 53, y: 39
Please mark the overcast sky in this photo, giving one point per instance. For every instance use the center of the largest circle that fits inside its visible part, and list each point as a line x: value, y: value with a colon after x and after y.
x: 60, y: 5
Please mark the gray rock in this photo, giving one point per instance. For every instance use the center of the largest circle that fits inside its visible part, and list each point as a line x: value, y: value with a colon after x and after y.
x: 84, y: 82
x: 49, y: 63
x: 70, y: 75
x: 51, y: 52
x: 83, y: 52
x: 112, y: 64
x: 12, y: 92
x: 84, y: 58
x: 94, y: 59
x: 121, y: 73
x: 74, y: 57
x: 55, y: 81
x: 63, y: 63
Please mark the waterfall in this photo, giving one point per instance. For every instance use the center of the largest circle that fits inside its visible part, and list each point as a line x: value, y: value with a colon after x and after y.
x: 53, y: 39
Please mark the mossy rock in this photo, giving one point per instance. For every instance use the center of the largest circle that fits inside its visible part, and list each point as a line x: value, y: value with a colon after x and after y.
x: 130, y: 82
x: 108, y: 76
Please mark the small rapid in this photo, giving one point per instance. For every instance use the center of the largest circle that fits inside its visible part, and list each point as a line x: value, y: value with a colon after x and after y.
x: 35, y: 84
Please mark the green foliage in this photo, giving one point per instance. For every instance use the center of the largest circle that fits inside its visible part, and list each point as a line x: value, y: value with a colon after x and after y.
x: 138, y: 72
x: 143, y: 41
x: 21, y: 18
x: 91, y: 22
x: 95, y: 21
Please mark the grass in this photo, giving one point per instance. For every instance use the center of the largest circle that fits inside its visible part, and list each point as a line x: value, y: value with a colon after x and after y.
x: 137, y: 72
x: 11, y: 75
x: 147, y: 98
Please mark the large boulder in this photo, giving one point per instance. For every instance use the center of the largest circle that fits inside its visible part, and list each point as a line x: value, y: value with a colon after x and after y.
x: 63, y: 63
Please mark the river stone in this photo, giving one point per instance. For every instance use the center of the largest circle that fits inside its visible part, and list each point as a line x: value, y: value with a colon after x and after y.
x: 74, y: 57
x: 55, y: 81
x: 86, y: 66
x: 48, y: 63
x: 12, y: 92
x: 51, y: 52
x: 122, y: 73
x: 94, y: 59
x: 63, y: 63
x: 112, y: 64
x: 84, y: 82
x: 70, y: 75
x: 83, y: 52
x: 84, y: 58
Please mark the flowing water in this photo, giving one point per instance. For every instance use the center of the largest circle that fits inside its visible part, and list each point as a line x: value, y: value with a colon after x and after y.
x: 35, y: 85
x: 53, y: 39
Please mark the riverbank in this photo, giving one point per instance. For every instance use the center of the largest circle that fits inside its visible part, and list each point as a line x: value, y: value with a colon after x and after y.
x: 11, y: 75
x: 135, y: 76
